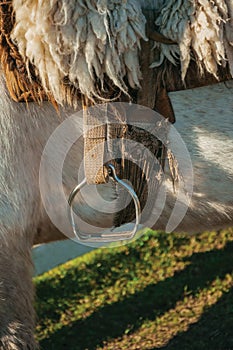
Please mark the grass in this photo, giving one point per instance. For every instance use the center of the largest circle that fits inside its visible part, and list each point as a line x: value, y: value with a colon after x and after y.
x: 160, y: 292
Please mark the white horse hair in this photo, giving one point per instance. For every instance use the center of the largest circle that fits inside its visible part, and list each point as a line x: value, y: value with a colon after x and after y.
x: 79, y: 42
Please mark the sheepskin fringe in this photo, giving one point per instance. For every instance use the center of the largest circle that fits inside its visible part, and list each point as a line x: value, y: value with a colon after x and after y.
x: 80, y: 43
x: 20, y: 87
x: 151, y: 4
x: 62, y: 49
x: 202, y: 29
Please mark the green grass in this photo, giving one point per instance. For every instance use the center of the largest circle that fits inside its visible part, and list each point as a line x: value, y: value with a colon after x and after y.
x: 162, y: 291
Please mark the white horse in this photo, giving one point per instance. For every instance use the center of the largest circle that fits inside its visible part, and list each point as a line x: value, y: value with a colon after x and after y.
x: 26, y: 127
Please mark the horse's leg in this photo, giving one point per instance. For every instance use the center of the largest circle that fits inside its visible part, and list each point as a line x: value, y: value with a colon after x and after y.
x: 20, y: 150
x: 17, y: 319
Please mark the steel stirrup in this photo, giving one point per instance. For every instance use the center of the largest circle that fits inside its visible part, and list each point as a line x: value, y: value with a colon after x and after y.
x: 106, y: 236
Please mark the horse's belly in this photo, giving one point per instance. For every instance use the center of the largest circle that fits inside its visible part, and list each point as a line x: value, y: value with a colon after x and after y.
x: 204, y: 119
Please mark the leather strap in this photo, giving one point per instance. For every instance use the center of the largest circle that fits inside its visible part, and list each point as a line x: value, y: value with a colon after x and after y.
x: 95, y: 136
x: 101, y: 128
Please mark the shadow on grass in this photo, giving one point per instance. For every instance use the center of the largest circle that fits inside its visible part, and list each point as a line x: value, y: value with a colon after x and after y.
x: 212, y: 332
x: 111, y: 321
x: 57, y: 291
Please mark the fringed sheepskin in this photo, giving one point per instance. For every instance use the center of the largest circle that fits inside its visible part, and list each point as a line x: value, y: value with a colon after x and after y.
x: 202, y: 29
x: 60, y: 49
x: 80, y: 42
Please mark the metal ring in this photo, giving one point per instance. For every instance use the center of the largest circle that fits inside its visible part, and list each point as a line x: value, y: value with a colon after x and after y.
x: 109, y: 236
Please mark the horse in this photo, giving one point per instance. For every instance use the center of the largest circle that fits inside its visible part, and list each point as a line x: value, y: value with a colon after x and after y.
x: 59, y: 58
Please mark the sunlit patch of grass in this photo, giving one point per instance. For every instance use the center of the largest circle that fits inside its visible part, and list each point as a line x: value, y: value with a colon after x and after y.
x: 148, y: 294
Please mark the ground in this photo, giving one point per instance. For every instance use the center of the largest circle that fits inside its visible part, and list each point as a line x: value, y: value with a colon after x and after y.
x: 164, y: 291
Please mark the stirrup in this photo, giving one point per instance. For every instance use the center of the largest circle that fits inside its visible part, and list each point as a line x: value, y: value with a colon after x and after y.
x: 106, y: 236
